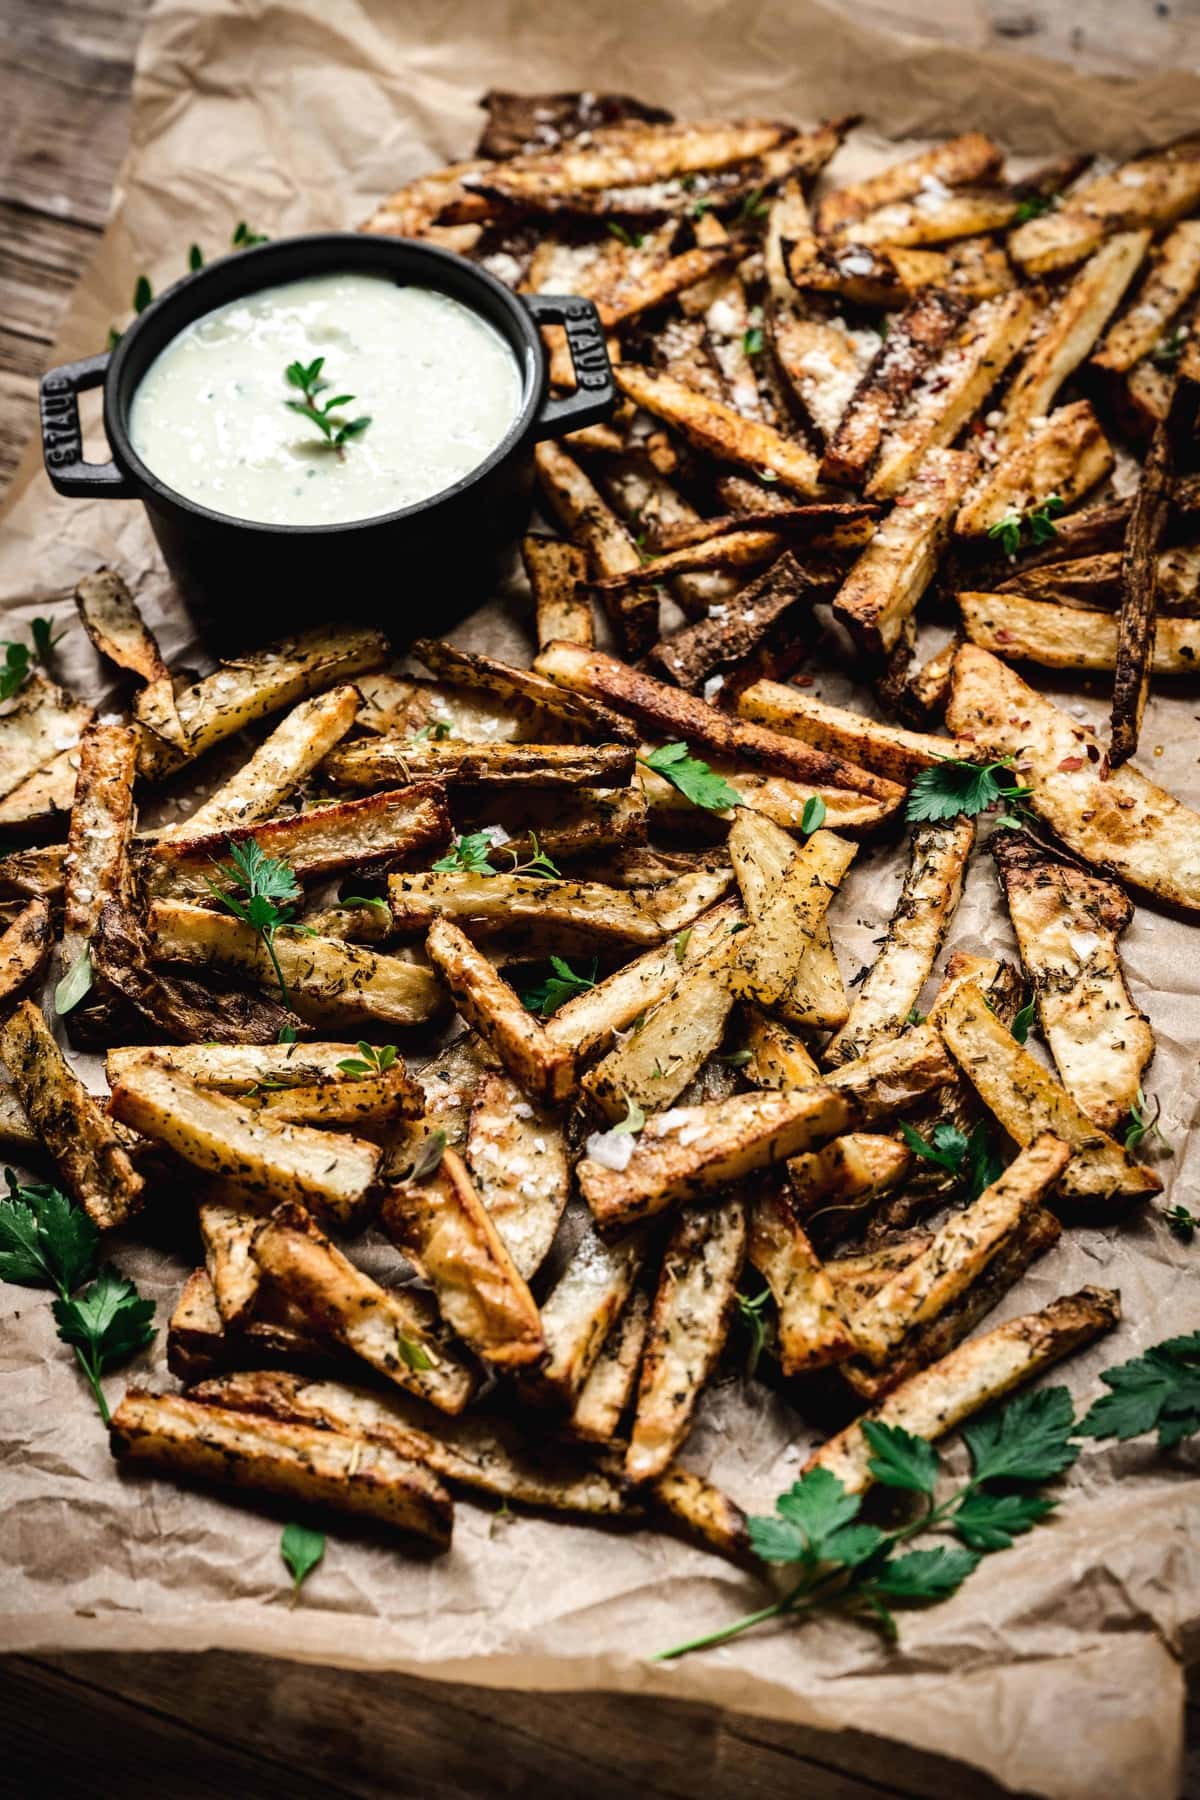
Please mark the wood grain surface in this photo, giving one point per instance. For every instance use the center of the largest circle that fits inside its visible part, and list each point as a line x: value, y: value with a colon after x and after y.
x: 218, y: 1725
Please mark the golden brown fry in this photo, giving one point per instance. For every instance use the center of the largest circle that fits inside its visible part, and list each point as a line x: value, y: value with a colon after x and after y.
x: 518, y: 1161
x: 1027, y: 1101
x: 1064, y: 456
x: 1171, y: 280
x: 627, y: 156
x: 605, y: 1395
x: 25, y: 949
x: 375, y: 762
x: 934, y: 218
x: 228, y: 1221
x: 44, y: 722
x: 1119, y: 821
x: 558, y: 915
x: 953, y: 163
x: 556, y: 572
x: 933, y: 1402
x: 887, y: 749
x: 297, y: 1462
x: 1067, y: 924
x: 689, y: 1322
x: 279, y: 765
x: 810, y: 1328
x: 652, y: 1066
x: 523, y: 687
x: 763, y: 854
x: 582, y: 1308
x: 96, y: 866
x: 87, y: 1150
x: 718, y: 429
x: 1136, y: 635
x: 885, y: 584
x: 928, y: 900
x: 769, y: 957
x: 912, y: 342
x: 391, y: 1329
x: 40, y: 800
x: 1154, y: 189
x: 1070, y: 637
x: 847, y: 1173
x: 545, y: 1070
x: 448, y: 1234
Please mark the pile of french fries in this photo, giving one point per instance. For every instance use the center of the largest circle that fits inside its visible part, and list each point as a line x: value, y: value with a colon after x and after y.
x: 508, y: 1262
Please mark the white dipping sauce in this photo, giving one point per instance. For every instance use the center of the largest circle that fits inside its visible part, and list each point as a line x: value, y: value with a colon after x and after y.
x: 440, y: 384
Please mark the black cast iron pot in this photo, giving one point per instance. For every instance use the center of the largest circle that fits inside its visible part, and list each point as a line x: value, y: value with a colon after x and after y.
x: 411, y: 571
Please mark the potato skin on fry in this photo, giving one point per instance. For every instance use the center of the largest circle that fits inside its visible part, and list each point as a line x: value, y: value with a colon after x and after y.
x: 323, y: 1468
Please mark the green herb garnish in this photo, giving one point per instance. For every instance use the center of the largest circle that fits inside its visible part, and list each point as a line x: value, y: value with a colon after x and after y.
x: 372, y: 1059
x: 972, y: 1159
x: 559, y: 986
x: 308, y: 378
x: 301, y: 1550
x: 1159, y: 1390
x: 693, y: 778
x: 264, y: 895
x: 1143, y: 1123
x: 1180, y: 1223
x: 752, y: 341
x: 1035, y: 525
x: 19, y: 659
x: 952, y: 787
x: 623, y: 235
x: 75, y: 983
x: 1023, y: 1020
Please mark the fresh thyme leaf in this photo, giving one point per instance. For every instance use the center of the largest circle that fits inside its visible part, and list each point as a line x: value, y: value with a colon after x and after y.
x: 1158, y: 1390
x: 75, y: 983
x: 301, y: 1550
x: 429, y: 1157
x: 287, y: 1034
x: 754, y: 206
x: 372, y: 1059
x: 752, y: 341
x: 143, y: 294
x: 633, y: 1121
x: 1143, y: 1123
x: 624, y: 236
x: 336, y: 431
x: 813, y: 816
x: 1023, y: 1020
x: 900, y: 1460
x: 914, y: 1016
x: 751, y: 1313
x: 952, y: 787
x: 1180, y: 1223
x: 470, y: 853
x: 558, y: 987
x: 244, y: 238
x: 693, y: 778
x: 539, y: 864
x: 44, y: 638
x: 412, y: 1355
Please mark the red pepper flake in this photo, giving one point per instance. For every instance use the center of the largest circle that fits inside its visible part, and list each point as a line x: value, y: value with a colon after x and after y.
x: 1071, y: 763
x: 1105, y: 769
x: 1002, y: 636
x: 803, y: 681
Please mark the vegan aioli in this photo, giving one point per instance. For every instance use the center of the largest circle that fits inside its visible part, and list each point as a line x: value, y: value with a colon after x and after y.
x: 439, y: 383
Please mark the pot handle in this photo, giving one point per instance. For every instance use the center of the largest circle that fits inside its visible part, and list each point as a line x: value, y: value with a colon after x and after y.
x: 595, y: 391
x: 62, y: 440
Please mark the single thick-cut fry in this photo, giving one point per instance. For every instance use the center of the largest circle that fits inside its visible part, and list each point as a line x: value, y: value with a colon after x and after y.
x: 448, y: 1234
x: 87, y: 1150
x: 954, y: 163
x: 1119, y: 821
x: 887, y: 749
x: 928, y: 900
x: 96, y: 867
x: 582, y: 1308
x: 297, y: 1462
x: 556, y: 914
x: 771, y: 797
x: 762, y: 854
x: 37, y: 802
x: 278, y: 766
x: 116, y: 627
x: 883, y: 588
x: 518, y: 1162
x: 392, y: 1329
x: 669, y: 713
x: 654, y: 1064
x: 769, y: 956
x: 589, y: 1022
x: 545, y: 1070
x: 556, y: 572
x: 480, y: 1455
x: 309, y: 1088
x: 375, y: 762
x: 953, y: 389
x: 778, y: 1058
x: 198, y: 1340
x: 583, y: 512
x: 1067, y: 925
x: 913, y: 340
x: 25, y: 949
x: 1153, y: 190
x: 1027, y: 1101
x: 933, y: 1402
x: 608, y: 1390
x: 1070, y: 637
x: 629, y: 156
x: 778, y: 600
x: 228, y: 1221
x: 1136, y: 634
x: 861, y: 1274
x: 262, y: 1154
x: 261, y: 683
x: 348, y: 834
x: 1170, y: 282
x: 1079, y: 317
x: 327, y: 982
x: 959, y: 1253
x: 689, y: 1322
x: 718, y: 429
x: 43, y: 723
x: 701, y: 1512
x: 1064, y: 456
x: 811, y: 1330
x: 847, y: 1173
x: 524, y: 687
x: 934, y: 218
x: 690, y: 1150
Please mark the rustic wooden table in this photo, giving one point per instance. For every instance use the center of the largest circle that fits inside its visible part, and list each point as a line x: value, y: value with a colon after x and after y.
x: 195, y: 1727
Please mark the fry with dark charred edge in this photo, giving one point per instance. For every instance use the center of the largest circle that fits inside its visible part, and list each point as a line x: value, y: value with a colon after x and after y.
x: 557, y: 915
x: 1015, y: 1087
x: 228, y: 1221
x: 545, y: 1070
x: 769, y: 957
x: 929, y: 898
x: 1119, y: 821
x: 44, y: 721
x: 376, y: 762
x: 1170, y: 282
x: 913, y: 340
x: 86, y: 1149
x: 669, y: 713
x: 933, y: 1402
x: 584, y: 514
x: 556, y: 572
x: 689, y: 1322
x: 524, y: 687
x: 391, y: 1329
x: 820, y: 525
x: 198, y: 1341
x: 763, y: 853
x: 631, y: 156
x: 847, y: 1174
x: 718, y: 429
x: 316, y: 1467
x: 1067, y: 924
x: 781, y: 597
x: 1139, y: 591
x: 37, y: 803
x: 116, y: 627
x: 811, y: 1332
x: 445, y: 1230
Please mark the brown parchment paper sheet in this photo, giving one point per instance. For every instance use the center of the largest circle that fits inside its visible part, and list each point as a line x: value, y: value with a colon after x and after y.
x: 1058, y: 1667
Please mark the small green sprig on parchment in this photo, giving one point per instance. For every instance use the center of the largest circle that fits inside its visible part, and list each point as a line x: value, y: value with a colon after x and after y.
x: 19, y: 659
x: 336, y: 431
